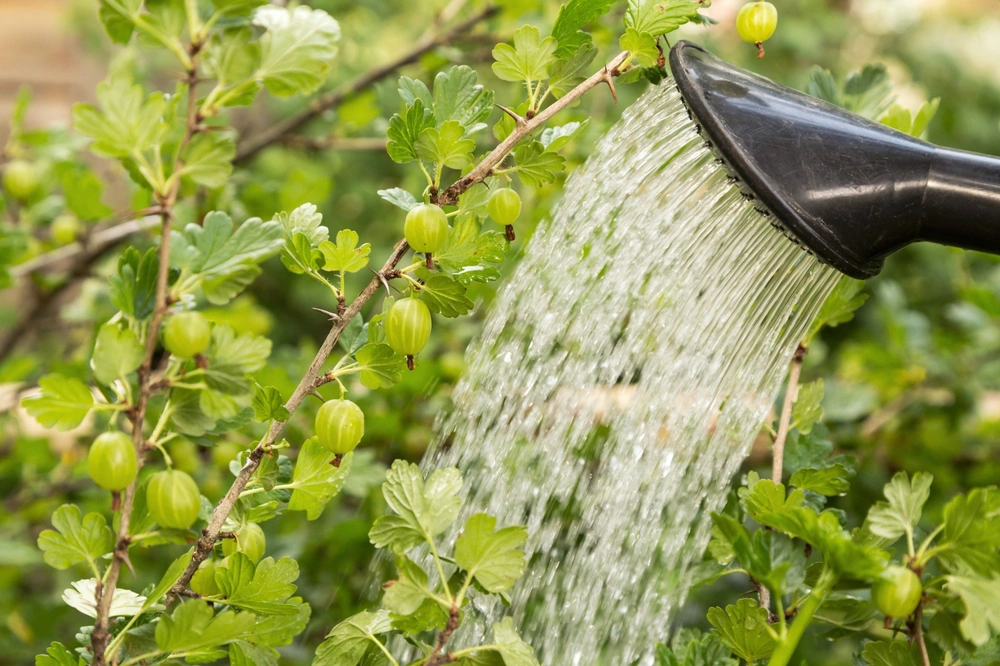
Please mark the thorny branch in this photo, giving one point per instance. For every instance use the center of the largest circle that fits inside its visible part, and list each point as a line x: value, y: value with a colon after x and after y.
x: 335, y: 98
x: 312, y: 379
x: 105, y: 591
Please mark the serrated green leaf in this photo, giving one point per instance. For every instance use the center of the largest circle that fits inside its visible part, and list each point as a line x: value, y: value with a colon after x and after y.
x: 208, y: 159
x: 471, y: 255
x: 116, y: 15
x: 554, y: 138
x: 296, y: 49
x: 405, y: 129
x: 75, y: 539
x: 822, y: 85
x: 224, y: 261
x: 345, y: 255
x: 905, y: 502
x: 446, y: 296
x: 839, y: 306
x: 924, y: 116
x: 529, y: 59
x: 400, y: 198
x: 279, y: 630
x: 244, y: 653
x: 642, y: 46
x: 423, y: 511
x: 898, y: 117
x: 776, y: 562
x: 133, y: 287
x: 569, y: 73
x: 354, y: 336
x: 492, y: 557
x: 459, y: 97
x: 63, y: 403
x: 868, y: 92
x: 57, y: 655
x: 263, y: 588
x: 743, y: 627
x: 515, y: 652
x: 444, y: 145
x: 412, y: 89
x: 658, y: 17
x: 971, y: 538
x: 536, y: 166
x: 690, y: 647
x: 82, y: 189
x: 127, y: 122
x: 573, y: 17
x: 232, y: 357
x: 829, y: 481
x: 405, y: 595
x: 268, y: 404
x: 381, y: 367
x: 117, y: 353
x: 348, y: 642
x: 429, y: 616
x: 196, y: 631
x: 315, y: 481
x: 882, y: 653
x: 808, y: 409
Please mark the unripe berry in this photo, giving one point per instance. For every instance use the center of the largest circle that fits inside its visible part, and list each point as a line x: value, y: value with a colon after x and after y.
x: 756, y: 23
x: 407, y: 327
x: 64, y: 229
x: 897, y: 592
x: 249, y: 540
x: 112, y: 462
x: 426, y: 228
x: 173, y: 499
x: 21, y: 179
x: 203, y: 580
x: 186, y: 334
x: 340, y: 425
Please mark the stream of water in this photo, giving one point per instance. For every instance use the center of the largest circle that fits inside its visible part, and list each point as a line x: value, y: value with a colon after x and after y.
x: 621, y: 376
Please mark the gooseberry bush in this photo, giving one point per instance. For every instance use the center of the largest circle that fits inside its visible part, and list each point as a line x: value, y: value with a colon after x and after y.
x: 163, y: 372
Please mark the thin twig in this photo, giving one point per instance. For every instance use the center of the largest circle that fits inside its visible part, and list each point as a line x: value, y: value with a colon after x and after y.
x: 917, y: 631
x: 335, y: 98
x: 210, y: 534
x: 778, y: 450
x: 437, y: 656
x: 485, y: 168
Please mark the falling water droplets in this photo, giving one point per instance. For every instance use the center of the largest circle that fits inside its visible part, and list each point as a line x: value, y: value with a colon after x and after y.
x: 621, y: 375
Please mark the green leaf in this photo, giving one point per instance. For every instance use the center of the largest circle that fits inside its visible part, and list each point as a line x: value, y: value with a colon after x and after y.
x: 405, y: 129
x: 232, y: 57
x: 898, y: 117
x: 445, y: 145
x: 82, y: 189
x: 730, y: 540
x: 412, y: 89
x: 278, y: 630
x: 306, y: 221
x: 808, y: 451
x: 223, y: 260
x: 924, y: 116
x: 642, y: 45
x: 231, y: 358
x: 529, y: 59
x: 170, y: 578
x: 268, y: 404
x: 400, y: 198
x: 57, y: 655
x: 492, y: 557
x: 822, y: 85
x: 808, y: 409
x: 905, y: 502
x: 743, y: 627
x: 690, y: 647
x: 345, y: 255
x: 658, y: 17
x: 446, y: 296
x: 839, y: 306
x: 348, y: 642
x: 829, y: 481
x: 208, y: 159
x: 430, y: 616
x: 471, y: 255
x: 536, y: 166
x: 117, y: 353
x: 127, y: 122
x: 882, y: 653
x: 264, y: 588
x: 315, y: 481
x: 75, y: 540
x: 133, y: 287
x: 243, y: 653
x: 573, y: 16
x: 422, y: 511
x: 407, y: 594
x: 868, y: 92
x: 296, y: 49
x: 776, y: 562
x: 354, y: 335
x: 567, y: 74
x: 63, y: 403
x: 116, y: 15
x: 381, y: 367
x: 194, y: 630
x: 459, y: 97
x: 515, y: 652
x: 554, y: 138
x: 971, y: 538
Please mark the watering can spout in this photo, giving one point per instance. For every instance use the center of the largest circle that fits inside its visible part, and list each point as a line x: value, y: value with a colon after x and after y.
x: 849, y: 189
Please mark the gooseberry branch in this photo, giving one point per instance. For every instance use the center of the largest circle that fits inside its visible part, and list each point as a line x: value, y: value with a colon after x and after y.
x: 312, y: 378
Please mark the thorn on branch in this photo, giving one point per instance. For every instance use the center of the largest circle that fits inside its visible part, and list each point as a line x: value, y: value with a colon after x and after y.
x: 513, y: 114
x: 332, y: 315
x: 609, y: 78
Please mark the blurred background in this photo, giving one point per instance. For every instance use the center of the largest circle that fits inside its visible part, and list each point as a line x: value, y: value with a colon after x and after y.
x: 912, y: 384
